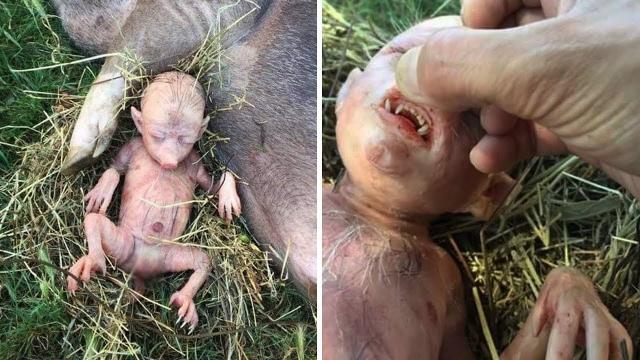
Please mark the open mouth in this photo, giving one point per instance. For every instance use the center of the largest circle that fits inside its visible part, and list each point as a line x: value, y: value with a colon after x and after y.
x: 412, y: 119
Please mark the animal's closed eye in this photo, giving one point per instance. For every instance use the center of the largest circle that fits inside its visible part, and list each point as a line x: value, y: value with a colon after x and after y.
x: 185, y: 141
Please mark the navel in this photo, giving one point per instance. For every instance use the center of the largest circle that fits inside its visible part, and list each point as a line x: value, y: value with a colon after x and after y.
x: 157, y: 227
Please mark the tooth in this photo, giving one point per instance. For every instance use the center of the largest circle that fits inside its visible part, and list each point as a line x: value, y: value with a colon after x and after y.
x: 423, y: 130
x: 399, y: 109
x: 387, y: 105
x: 421, y: 120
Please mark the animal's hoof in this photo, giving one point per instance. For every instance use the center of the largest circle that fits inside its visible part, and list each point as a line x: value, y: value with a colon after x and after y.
x: 76, y: 159
x: 103, y: 140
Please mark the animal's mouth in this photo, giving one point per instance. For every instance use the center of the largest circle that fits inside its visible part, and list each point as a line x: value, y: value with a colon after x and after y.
x: 413, y: 120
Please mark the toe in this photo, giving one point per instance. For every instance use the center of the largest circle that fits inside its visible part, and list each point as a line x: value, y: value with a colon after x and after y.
x: 102, y: 266
x: 173, y: 299
x: 86, y: 270
x: 72, y: 285
x: 194, y: 320
x: 74, y: 271
x: 138, y: 285
x: 192, y: 315
x: 183, y: 309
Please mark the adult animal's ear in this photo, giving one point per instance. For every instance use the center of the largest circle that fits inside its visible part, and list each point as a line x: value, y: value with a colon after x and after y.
x: 136, y: 115
x: 501, y: 188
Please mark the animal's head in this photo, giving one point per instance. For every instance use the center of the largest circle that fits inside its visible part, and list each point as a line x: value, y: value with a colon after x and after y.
x: 405, y: 155
x: 171, y: 119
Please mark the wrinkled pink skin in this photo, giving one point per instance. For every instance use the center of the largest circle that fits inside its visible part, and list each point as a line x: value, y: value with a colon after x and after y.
x: 161, y: 172
x: 388, y: 291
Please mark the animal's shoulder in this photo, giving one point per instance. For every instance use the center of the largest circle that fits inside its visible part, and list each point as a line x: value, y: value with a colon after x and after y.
x: 134, y: 144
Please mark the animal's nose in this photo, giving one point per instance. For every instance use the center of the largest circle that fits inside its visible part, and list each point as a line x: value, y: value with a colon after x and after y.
x: 169, y: 165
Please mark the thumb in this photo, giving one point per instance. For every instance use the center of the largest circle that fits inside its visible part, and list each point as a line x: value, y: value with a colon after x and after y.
x: 496, y: 153
x: 459, y: 68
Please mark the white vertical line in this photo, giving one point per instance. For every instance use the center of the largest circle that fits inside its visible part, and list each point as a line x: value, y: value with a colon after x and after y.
x: 319, y: 174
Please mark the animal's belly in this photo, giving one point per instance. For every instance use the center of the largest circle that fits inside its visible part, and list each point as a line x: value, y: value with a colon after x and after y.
x: 161, y: 211
x: 378, y: 326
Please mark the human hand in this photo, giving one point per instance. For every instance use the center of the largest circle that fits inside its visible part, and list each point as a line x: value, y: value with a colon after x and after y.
x: 566, y: 84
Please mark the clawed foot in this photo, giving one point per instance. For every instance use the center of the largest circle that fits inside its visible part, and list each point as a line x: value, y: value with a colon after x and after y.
x: 228, y: 199
x: 186, y: 310
x: 99, y: 198
x: 83, y: 269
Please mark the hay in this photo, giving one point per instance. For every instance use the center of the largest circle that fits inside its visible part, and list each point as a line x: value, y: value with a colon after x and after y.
x: 246, y: 310
x: 568, y: 213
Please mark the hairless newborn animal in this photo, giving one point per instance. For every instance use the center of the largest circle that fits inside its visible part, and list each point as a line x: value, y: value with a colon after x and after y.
x: 389, y: 292
x: 161, y: 171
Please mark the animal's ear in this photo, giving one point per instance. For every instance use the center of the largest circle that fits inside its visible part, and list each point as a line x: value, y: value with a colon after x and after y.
x: 500, y: 189
x: 344, y: 90
x: 203, y: 126
x: 136, y: 115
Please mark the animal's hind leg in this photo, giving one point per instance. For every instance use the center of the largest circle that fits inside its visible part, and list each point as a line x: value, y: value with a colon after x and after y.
x: 181, y: 258
x: 103, y: 238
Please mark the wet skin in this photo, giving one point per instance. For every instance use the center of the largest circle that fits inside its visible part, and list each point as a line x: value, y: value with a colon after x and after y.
x: 161, y: 171
x: 388, y: 291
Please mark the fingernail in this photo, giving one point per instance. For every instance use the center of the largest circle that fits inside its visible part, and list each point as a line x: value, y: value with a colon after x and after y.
x: 476, y: 157
x: 183, y: 323
x: 179, y: 318
x: 191, y: 328
x: 407, y: 74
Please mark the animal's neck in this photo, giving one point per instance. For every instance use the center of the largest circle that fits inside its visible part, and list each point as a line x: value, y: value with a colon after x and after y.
x: 394, y: 222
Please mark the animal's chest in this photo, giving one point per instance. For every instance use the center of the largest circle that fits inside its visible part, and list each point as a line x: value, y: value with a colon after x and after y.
x: 383, y: 303
x: 155, y: 201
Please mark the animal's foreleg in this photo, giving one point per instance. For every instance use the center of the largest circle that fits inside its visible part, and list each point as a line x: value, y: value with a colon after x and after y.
x: 98, y: 118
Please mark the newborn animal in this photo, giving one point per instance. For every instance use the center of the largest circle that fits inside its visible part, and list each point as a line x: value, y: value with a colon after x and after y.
x: 161, y: 171
x: 389, y: 292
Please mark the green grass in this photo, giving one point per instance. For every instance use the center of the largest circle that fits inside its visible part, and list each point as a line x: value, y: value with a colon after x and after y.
x: 30, y: 38
x: 567, y: 214
x: 246, y: 310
